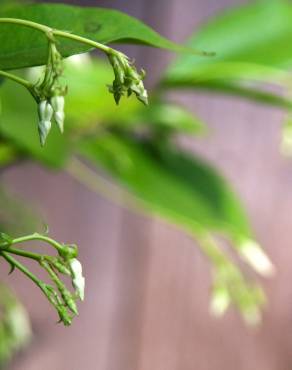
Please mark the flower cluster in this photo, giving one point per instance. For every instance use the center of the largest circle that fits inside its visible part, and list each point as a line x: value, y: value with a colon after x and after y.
x: 127, y: 79
x: 65, y: 263
x: 49, y: 94
x: 60, y: 296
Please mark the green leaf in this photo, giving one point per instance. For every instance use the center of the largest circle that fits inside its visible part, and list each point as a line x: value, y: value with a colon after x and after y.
x: 18, y: 125
x: 7, y: 154
x: 256, y: 33
x: 164, y: 117
x: 173, y: 184
x: 232, y: 88
x: 26, y: 47
x: 248, y: 49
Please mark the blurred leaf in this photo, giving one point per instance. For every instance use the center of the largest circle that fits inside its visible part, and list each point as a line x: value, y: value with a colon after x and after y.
x: 257, y: 33
x: 173, y: 184
x: 248, y: 48
x: 7, y: 154
x: 164, y: 117
x: 286, y: 137
x: 179, y: 187
x: 234, y: 89
x: 28, y: 47
x: 18, y: 124
x: 186, y: 191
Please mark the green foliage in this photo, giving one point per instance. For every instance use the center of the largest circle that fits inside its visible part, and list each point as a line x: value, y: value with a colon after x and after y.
x: 252, y: 44
x: 27, y: 47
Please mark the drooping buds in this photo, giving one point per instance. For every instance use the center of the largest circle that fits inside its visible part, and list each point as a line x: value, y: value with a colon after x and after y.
x: 50, y: 92
x: 45, y: 112
x: 127, y: 79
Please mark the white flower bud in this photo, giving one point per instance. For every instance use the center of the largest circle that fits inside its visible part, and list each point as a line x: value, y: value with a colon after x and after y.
x: 252, y: 253
x: 252, y: 316
x: 220, y: 301
x: 78, y: 280
x: 286, y: 140
x: 58, y: 103
x: 45, y: 112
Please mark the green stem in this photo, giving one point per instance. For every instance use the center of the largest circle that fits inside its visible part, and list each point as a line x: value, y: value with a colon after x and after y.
x: 22, y: 253
x: 84, y: 40
x: 51, y: 32
x: 26, y: 23
x: 13, y: 262
x: 37, y: 236
x: 17, y: 79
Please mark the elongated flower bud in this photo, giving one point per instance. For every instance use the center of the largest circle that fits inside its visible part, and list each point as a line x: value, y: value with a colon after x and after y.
x: 60, y: 267
x: 63, y: 315
x: 78, y: 281
x: 58, y: 103
x: 252, y: 253
x: 45, y: 112
x: 69, y: 300
x: 220, y: 300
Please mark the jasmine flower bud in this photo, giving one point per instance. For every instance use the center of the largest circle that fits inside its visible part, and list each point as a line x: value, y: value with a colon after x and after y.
x: 58, y: 103
x: 78, y: 281
x: 45, y: 112
x: 252, y: 253
x: 220, y: 300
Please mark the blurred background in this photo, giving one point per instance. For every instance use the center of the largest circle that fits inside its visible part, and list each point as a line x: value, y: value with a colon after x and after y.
x: 147, y: 292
